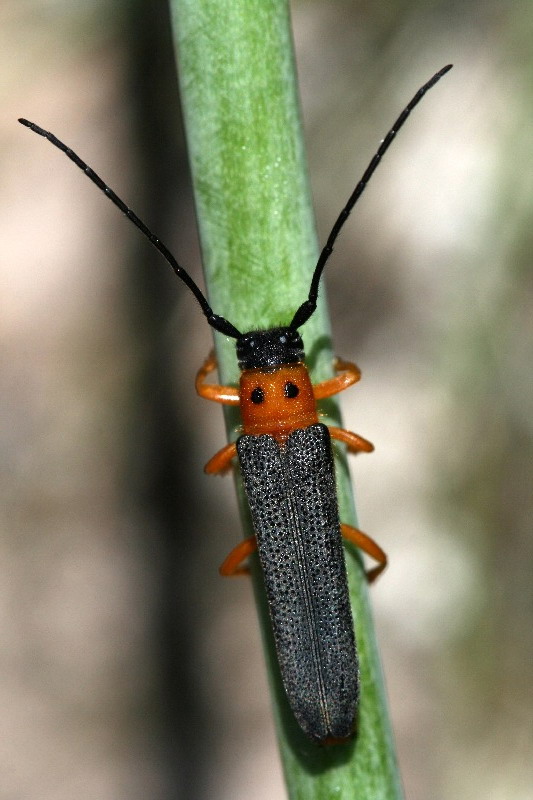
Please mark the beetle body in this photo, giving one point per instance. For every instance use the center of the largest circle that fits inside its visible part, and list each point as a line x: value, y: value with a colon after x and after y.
x: 287, y: 468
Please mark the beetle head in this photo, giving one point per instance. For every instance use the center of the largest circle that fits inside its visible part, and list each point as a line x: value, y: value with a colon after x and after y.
x: 269, y: 349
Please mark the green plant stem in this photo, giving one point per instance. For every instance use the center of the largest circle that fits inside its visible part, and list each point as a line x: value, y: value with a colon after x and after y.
x: 241, y: 111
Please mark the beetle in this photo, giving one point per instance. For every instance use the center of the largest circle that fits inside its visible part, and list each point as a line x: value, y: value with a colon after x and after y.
x: 287, y: 467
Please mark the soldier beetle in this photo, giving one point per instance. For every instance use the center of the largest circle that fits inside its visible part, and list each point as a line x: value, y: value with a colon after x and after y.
x: 287, y: 467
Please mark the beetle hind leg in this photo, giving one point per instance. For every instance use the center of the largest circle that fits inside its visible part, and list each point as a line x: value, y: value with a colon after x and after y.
x: 368, y: 546
x: 232, y: 564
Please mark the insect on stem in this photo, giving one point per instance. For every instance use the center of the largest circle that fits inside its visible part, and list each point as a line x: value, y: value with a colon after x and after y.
x: 286, y: 460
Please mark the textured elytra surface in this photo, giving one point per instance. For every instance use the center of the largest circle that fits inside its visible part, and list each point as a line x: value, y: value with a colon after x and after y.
x: 292, y: 497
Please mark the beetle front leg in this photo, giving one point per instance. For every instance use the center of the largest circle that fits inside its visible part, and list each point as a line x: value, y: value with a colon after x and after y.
x: 227, y: 395
x: 369, y: 546
x: 349, y: 374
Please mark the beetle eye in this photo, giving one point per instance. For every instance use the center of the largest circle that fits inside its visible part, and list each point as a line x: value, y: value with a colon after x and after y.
x: 291, y: 390
x: 257, y: 395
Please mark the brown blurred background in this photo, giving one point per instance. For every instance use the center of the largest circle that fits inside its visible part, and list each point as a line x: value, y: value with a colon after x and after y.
x: 128, y: 669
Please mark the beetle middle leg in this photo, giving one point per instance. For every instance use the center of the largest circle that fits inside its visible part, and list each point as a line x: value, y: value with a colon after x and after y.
x: 221, y: 461
x: 369, y: 546
x: 355, y: 443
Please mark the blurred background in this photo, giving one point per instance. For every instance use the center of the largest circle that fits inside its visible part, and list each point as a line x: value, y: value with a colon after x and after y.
x: 128, y: 669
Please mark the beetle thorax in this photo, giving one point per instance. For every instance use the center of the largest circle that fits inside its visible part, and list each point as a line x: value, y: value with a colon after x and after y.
x: 277, y: 401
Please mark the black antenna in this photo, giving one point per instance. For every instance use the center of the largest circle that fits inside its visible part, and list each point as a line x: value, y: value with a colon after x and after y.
x: 218, y: 323
x: 309, y: 306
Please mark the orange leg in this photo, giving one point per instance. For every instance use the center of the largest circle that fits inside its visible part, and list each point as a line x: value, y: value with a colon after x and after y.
x: 369, y: 546
x: 221, y: 461
x: 232, y: 564
x: 349, y: 374
x: 212, y: 391
x: 355, y: 442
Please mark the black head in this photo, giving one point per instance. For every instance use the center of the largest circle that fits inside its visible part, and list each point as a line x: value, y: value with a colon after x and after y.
x: 269, y: 349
